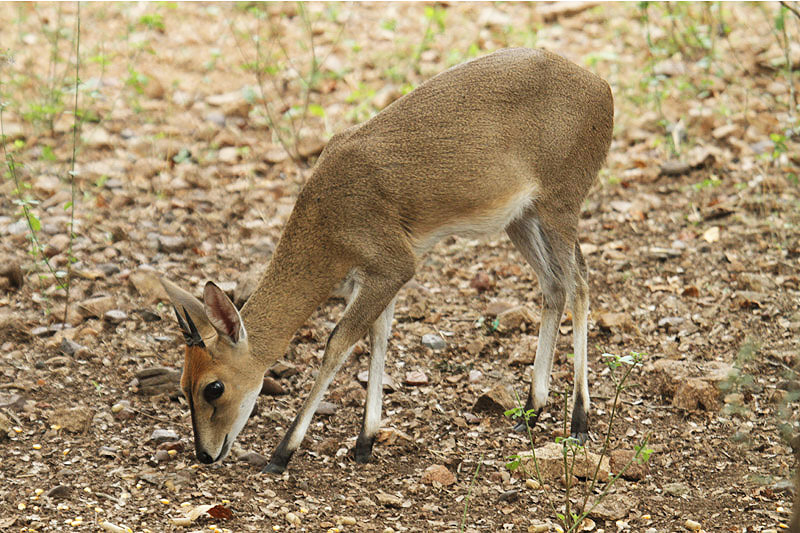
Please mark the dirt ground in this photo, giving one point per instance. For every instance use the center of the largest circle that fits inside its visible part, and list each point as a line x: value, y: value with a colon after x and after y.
x: 690, y: 235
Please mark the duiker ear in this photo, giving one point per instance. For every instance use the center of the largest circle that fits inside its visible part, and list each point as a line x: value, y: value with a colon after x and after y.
x: 222, y: 314
x: 185, y: 302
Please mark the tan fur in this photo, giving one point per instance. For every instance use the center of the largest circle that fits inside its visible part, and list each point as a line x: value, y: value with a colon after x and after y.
x: 513, y: 135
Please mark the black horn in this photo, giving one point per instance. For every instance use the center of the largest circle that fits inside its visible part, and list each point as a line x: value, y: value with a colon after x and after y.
x: 190, y: 333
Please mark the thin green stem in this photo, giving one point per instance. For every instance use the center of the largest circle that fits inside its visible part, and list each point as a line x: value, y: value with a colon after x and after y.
x: 75, y: 127
x: 469, y: 493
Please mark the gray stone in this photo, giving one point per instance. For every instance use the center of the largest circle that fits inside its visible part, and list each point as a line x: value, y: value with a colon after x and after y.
x: 163, y: 435
x: 326, y: 409
x: 434, y: 342
x: 115, y: 316
x: 170, y: 244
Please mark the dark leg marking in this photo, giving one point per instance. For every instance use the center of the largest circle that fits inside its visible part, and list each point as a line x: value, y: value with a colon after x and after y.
x: 579, y: 428
x: 363, y: 450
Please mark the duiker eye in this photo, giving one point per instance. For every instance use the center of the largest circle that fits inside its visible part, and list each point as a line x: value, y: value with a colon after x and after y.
x: 213, y: 391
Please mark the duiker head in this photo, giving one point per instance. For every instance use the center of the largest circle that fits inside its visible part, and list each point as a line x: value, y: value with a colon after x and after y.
x: 220, y: 380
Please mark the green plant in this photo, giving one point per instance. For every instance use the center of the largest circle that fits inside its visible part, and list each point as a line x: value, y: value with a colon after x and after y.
x: 24, y: 199
x: 469, y: 494
x: 286, y: 115
x: 572, y: 449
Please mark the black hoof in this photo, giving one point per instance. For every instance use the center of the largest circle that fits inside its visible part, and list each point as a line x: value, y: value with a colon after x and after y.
x: 273, y: 468
x: 363, y: 450
x: 582, y: 437
x: 520, y: 427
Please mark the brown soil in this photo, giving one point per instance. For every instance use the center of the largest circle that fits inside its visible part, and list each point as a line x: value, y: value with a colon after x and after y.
x: 693, y: 258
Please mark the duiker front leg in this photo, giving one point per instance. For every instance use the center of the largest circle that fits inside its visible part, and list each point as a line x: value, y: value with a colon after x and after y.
x: 378, y: 340
x: 371, y: 298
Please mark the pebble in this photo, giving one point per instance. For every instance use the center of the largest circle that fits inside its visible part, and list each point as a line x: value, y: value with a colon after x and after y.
x: 163, y: 435
x: 434, y: 342
x: 438, y: 474
x: 416, y: 378
x: 292, y: 518
x: 167, y: 243
x: 475, y: 376
x: 58, y: 492
x: 71, y: 348
x: 326, y: 409
x: 115, y: 316
x: 692, y: 525
x: 256, y: 460
x: 272, y: 387
x: 347, y: 521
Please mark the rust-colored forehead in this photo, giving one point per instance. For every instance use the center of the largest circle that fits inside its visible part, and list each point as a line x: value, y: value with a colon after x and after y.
x: 196, y: 362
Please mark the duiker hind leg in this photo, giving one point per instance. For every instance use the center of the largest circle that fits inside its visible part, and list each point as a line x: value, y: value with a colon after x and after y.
x: 553, y: 259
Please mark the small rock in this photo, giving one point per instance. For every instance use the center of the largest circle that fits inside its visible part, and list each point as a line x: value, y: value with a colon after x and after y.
x: 176, y: 445
x: 509, y: 496
x: 692, y: 525
x: 439, y: 474
x: 256, y: 460
x: 475, y: 376
x: 107, y: 451
x: 42, y: 331
x: 496, y: 401
x: 58, y: 361
x: 674, y: 167
x: 539, y: 528
x: 228, y: 154
x: 614, y: 321
x: 163, y: 435
x: 272, y: 387
x: 676, y: 489
x: 615, y: 507
x: 13, y: 273
x: 11, y: 401
x: 71, y: 348
x: 475, y: 347
x: 215, y: 117
x: 347, y: 521
x: 513, y: 318
x: 434, y: 342
x: 522, y: 356
x: 72, y: 419
x: 161, y: 456
x: 415, y: 378
x: 551, y: 464
x: 58, y: 492
x: 292, y: 518
x: 115, y: 316
x: 326, y: 409
x: 756, y: 282
x: 481, y: 282
x: 5, y: 426
x: 389, y: 500
x: 696, y: 393
x: 635, y: 471
x: 388, y: 382
x: 391, y: 436
x: 495, y: 308
x: 170, y: 244
x: 122, y: 410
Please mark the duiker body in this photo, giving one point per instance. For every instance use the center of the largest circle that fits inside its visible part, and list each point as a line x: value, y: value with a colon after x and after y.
x: 511, y: 141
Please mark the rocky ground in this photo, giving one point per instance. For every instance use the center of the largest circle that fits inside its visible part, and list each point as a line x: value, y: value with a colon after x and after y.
x: 183, y: 169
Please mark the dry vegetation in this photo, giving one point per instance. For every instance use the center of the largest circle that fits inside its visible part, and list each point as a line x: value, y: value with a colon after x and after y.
x: 199, y: 124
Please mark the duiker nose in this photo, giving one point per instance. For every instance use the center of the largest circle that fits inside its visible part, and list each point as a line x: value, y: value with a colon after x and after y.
x: 204, y: 458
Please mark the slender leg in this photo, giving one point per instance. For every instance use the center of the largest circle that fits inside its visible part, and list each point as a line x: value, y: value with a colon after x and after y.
x: 544, y: 251
x: 580, y: 311
x: 379, y: 340
x: 370, y: 299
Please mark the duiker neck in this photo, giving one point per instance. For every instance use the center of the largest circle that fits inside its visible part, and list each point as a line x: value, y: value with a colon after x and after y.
x: 297, y: 280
